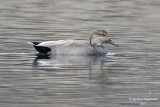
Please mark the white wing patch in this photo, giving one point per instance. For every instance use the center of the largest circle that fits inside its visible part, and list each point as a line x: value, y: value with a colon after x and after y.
x: 47, y: 43
x: 58, y: 42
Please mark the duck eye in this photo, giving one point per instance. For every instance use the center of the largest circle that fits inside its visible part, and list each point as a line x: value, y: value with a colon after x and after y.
x: 103, y: 34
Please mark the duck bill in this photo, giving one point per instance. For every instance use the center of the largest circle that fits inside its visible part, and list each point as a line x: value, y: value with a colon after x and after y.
x: 112, y: 43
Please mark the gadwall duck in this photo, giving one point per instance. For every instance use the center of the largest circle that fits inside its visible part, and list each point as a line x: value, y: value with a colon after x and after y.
x: 76, y: 47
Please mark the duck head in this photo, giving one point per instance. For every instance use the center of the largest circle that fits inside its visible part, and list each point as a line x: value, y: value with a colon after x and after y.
x: 100, y: 37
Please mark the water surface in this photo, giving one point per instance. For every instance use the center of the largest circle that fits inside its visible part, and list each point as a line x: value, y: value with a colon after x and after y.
x: 27, y: 80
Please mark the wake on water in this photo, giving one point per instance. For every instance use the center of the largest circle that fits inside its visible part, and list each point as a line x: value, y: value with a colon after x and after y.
x: 110, y: 54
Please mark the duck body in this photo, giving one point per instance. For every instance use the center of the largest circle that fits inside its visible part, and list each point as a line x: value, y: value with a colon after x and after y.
x: 76, y: 47
x: 69, y: 47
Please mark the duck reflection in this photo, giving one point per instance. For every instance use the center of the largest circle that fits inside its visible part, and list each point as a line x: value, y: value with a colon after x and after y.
x: 93, y: 64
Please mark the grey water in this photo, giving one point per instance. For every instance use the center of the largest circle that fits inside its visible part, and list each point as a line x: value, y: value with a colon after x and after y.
x: 128, y: 77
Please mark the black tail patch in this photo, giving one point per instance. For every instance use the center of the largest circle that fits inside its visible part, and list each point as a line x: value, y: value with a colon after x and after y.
x: 42, y: 49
